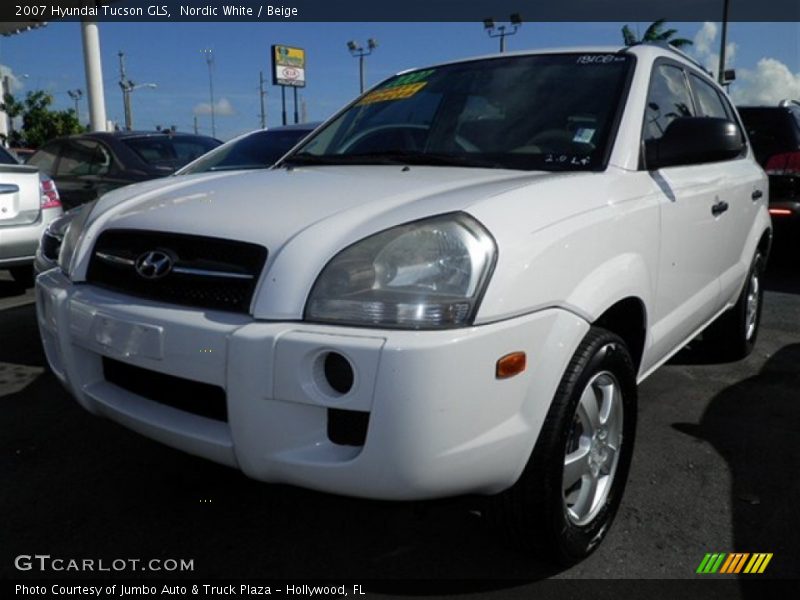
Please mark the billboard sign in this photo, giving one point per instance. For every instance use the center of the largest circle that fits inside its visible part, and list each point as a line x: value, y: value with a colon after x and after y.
x: 288, y: 66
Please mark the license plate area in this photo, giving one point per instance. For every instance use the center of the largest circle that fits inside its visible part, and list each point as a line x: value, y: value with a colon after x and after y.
x: 127, y: 338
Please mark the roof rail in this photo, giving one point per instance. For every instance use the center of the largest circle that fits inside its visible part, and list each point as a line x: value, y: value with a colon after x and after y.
x: 667, y: 46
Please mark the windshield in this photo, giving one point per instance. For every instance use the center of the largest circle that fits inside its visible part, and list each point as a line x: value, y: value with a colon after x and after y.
x: 255, y: 151
x: 543, y: 112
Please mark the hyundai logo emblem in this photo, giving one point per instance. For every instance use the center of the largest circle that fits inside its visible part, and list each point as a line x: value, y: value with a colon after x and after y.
x: 153, y: 264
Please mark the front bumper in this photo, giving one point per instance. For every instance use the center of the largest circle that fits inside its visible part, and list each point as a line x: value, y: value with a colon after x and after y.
x: 439, y: 423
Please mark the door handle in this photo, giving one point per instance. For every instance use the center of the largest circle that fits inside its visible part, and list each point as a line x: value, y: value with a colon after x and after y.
x: 757, y: 195
x: 719, y: 208
x: 8, y: 188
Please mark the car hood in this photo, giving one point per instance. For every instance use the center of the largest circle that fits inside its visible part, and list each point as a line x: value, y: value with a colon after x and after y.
x: 270, y: 206
x: 304, y: 216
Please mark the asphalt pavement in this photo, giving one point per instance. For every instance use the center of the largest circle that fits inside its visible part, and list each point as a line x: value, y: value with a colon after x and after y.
x: 715, y: 469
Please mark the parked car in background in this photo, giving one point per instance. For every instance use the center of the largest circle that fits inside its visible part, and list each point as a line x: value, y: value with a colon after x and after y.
x: 29, y: 201
x: 452, y: 287
x: 88, y: 165
x: 774, y: 132
x: 23, y: 154
x: 254, y: 150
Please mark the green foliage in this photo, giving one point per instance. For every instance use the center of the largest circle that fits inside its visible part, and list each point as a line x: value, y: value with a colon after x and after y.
x: 655, y: 33
x: 39, y: 122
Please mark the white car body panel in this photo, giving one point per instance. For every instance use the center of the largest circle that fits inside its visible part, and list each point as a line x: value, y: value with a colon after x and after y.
x: 570, y: 245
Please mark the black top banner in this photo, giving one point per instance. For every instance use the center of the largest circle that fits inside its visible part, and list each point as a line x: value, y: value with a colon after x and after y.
x: 28, y: 11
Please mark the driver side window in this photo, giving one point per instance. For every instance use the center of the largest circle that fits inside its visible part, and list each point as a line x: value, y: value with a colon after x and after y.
x: 668, y: 99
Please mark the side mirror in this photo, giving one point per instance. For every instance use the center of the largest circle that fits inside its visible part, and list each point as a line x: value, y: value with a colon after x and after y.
x: 693, y: 141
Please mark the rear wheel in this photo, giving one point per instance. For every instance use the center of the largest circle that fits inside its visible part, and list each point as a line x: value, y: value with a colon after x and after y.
x: 733, y: 335
x: 569, y: 492
x: 23, y: 275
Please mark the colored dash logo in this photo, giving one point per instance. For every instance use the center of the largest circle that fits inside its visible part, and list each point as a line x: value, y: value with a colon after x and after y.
x: 735, y: 562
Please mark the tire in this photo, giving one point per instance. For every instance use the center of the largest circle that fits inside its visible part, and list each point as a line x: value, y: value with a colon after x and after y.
x: 23, y: 275
x: 733, y: 335
x: 553, y: 510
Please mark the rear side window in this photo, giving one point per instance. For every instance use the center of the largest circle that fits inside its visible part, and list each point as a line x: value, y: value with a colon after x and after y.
x: 45, y: 159
x: 667, y: 99
x: 83, y: 157
x: 709, y: 104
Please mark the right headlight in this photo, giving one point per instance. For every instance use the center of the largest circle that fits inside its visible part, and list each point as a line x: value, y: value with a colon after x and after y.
x: 422, y: 275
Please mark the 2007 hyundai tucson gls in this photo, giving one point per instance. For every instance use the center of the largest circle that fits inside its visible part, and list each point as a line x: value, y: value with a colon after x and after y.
x: 453, y: 286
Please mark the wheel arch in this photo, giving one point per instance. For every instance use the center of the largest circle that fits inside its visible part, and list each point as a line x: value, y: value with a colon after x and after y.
x: 628, y: 319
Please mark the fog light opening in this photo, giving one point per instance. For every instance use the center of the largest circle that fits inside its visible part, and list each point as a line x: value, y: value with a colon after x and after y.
x: 336, y: 376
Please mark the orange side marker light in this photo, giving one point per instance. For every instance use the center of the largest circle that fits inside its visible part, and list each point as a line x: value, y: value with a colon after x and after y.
x: 510, y: 365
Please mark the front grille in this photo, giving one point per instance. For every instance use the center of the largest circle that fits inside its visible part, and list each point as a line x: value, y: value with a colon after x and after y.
x: 197, y: 398
x: 206, y: 272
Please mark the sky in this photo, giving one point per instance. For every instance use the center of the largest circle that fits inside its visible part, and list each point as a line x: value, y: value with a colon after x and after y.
x: 766, y: 57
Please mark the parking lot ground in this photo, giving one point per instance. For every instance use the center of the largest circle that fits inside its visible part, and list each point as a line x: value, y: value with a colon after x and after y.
x: 715, y: 470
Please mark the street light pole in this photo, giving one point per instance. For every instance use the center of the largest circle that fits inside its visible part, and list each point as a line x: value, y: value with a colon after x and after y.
x: 361, y: 72
x: 502, y: 31
x: 210, y: 62
x: 261, y: 94
x: 724, y: 42
x: 76, y: 95
x: 357, y: 51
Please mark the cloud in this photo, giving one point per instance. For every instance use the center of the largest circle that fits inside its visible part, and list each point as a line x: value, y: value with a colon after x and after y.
x: 769, y: 83
x: 15, y: 82
x: 704, y: 38
x: 222, y: 108
x: 705, y: 48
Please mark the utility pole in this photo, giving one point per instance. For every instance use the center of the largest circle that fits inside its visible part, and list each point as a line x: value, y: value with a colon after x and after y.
x: 262, y: 92
x: 210, y: 62
x: 127, y: 89
x: 195, y: 125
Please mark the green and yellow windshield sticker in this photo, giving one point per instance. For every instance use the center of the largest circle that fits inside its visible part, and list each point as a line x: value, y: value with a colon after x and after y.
x: 399, y: 88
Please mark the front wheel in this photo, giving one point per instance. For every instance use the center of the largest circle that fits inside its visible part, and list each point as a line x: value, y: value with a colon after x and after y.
x: 566, y: 498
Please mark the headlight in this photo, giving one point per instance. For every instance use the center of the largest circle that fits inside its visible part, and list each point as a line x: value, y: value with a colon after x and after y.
x: 71, y: 234
x: 422, y: 275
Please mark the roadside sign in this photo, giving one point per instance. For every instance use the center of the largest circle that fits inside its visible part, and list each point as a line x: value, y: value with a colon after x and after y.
x: 288, y: 66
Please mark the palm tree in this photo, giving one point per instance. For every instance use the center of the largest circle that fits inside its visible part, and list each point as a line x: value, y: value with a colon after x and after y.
x: 655, y: 33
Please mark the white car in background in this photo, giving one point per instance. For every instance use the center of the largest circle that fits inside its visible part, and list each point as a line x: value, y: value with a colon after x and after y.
x: 29, y: 201
x: 453, y: 286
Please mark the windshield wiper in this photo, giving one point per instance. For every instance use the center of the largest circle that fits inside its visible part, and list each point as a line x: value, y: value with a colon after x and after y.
x: 412, y: 157
x: 305, y: 158
x: 392, y: 157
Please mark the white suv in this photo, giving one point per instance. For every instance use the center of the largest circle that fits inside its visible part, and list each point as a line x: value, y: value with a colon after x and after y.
x: 452, y: 287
